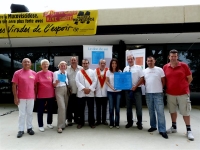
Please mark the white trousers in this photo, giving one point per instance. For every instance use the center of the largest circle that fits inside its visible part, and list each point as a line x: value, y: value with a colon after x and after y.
x: 25, y: 113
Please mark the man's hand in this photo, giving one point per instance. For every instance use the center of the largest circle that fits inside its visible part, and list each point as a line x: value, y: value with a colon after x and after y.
x: 86, y: 90
x: 134, y: 88
x: 16, y: 101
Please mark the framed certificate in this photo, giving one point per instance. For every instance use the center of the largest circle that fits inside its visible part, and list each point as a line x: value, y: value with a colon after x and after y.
x: 122, y: 80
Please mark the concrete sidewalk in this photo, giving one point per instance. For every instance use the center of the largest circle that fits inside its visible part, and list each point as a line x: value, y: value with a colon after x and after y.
x: 101, y: 137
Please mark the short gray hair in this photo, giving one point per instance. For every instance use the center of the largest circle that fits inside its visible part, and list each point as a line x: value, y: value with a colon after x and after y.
x: 62, y: 62
x: 43, y: 61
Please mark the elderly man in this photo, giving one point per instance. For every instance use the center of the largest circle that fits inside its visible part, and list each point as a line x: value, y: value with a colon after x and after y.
x: 178, y: 78
x: 135, y: 93
x: 86, y: 82
x: 101, y: 93
x: 23, y: 88
x: 72, y: 104
x: 154, y: 82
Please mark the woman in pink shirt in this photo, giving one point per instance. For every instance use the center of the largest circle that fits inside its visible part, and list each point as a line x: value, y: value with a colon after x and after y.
x: 45, y: 94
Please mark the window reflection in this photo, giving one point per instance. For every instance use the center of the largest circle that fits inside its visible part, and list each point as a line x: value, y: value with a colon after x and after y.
x: 190, y: 54
x: 5, y: 75
x: 157, y: 53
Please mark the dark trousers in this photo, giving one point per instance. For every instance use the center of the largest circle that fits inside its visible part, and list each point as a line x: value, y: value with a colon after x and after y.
x: 137, y: 97
x: 81, y: 106
x: 41, y: 107
x: 101, y: 107
x: 72, y: 108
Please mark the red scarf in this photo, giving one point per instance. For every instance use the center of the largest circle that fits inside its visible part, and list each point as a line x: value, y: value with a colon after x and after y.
x: 101, y: 78
x: 86, y: 76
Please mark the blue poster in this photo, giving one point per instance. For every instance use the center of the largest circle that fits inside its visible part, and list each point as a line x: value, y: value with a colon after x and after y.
x: 122, y: 80
x: 96, y: 56
x: 62, y: 77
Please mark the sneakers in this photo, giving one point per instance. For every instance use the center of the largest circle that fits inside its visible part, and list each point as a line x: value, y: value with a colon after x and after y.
x: 69, y: 123
x: 49, y: 126
x: 111, y: 127
x: 30, y: 131
x: 190, y: 135
x: 41, y: 129
x: 171, y: 130
x: 152, y: 129
x: 117, y: 127
x: 20, y: 134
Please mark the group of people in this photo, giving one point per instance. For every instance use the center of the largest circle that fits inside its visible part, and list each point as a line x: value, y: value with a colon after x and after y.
x: 81, y: 85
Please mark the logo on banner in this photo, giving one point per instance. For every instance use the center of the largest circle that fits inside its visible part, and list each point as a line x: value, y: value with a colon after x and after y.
x: 83, y: 18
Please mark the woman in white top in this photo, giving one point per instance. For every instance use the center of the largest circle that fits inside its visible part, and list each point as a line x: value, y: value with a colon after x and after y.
x: 114, y: 95
x: 60, y: 83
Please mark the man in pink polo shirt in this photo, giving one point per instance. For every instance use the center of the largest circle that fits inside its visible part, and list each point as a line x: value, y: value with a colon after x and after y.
x: 178, y: 77
x: 24, y: 94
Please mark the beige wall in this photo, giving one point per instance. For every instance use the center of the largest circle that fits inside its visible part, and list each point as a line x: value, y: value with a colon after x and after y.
x: 149, y: 15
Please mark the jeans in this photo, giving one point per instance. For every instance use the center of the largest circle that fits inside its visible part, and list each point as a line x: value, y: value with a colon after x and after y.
x: 135, y: 96
x: 41, y: 108
x: 155, y: 103
x: 72, y: 108
x: 114, y: 103
x: 101, y: 108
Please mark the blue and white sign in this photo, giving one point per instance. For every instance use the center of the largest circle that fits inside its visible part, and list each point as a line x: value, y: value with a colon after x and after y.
x: 122, y: 80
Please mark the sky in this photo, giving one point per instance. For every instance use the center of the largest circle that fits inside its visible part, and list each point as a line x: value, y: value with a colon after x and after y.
x: 62, y: 5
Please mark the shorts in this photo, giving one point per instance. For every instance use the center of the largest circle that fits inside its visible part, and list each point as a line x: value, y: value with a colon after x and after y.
x: 182, y: 101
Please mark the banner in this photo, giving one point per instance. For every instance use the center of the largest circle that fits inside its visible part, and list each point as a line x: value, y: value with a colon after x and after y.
x: 139, y: 55
x: 96, y: 52
x: 48, y: 24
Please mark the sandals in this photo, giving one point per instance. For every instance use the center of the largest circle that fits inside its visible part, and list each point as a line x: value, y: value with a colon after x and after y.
x: 59, y: 130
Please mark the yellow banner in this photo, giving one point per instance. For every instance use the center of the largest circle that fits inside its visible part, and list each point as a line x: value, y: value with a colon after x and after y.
x: 48, y: 24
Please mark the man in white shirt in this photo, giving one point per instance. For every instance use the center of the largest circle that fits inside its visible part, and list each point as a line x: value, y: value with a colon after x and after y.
x: 86, y: 82
x: 72, y: 103
x: 101, y: 93
x: 135, y: 93
x: 154, y: 82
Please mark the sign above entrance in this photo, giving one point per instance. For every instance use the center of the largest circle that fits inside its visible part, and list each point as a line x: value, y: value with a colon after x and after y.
x: 48, y: 24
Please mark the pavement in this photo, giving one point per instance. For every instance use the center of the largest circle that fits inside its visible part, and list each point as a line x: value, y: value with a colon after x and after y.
x: 100, y: 138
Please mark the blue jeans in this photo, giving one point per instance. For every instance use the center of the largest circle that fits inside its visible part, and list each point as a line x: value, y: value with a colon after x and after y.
x: 135, y: 96
x: 155, y: 103
x: 114, y: 103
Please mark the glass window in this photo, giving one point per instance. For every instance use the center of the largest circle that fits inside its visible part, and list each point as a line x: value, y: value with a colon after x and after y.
x: 5, y: 75
x: 190, y: 54
x: 34, y: 54
x: 157, y: 52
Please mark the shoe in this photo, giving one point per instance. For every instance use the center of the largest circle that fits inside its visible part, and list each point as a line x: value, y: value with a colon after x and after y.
x: 117, y: 127
x: 69, y: 123
x: 111, y: 127
x: 139, y: 126
x: 79, y: 126
x: 129, y: 125
x: 105, y: 123
x: 30, y: 131
x: 190, y: 136
x: 20, y: 134
x: 92, y: 126
x: 41, y: 129
x: 164, y: 135
x: 97, y: 123
x: 152, y: 129
x: 59, y: 130
x: 171, y: 130
x: 49, y: 126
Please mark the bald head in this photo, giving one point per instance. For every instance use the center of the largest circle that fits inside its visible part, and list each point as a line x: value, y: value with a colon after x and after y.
x: 130, y: 60
x: 26, y: 63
